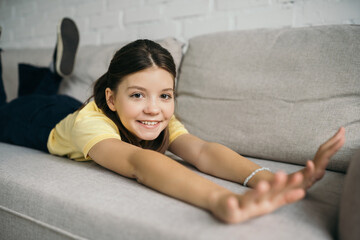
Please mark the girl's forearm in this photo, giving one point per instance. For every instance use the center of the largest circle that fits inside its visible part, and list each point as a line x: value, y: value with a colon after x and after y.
x: 220, y: 161
x: 165, y: 175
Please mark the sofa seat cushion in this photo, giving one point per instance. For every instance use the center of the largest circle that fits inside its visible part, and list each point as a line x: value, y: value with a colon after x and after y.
x: 48, y: 197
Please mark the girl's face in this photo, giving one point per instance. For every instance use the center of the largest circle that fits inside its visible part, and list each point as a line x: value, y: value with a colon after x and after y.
x: 144, y: 102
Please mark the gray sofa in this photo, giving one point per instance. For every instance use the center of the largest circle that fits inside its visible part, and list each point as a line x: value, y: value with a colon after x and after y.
x: 272, y: 95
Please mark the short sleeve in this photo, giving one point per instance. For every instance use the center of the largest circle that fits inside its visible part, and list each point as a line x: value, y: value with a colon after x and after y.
x: 176, y: 129
x: 91, y: 130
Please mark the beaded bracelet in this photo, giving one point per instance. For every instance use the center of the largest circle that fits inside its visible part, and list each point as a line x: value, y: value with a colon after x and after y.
x: 253, y: 173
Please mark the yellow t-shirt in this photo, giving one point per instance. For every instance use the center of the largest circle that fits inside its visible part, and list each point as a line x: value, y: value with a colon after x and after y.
x: 76, y: 134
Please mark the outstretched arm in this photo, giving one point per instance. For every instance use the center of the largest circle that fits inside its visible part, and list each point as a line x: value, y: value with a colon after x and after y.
x: 155, y: 170
x: 220, y: 161
x: 217, y: 160
x: 165, y: 175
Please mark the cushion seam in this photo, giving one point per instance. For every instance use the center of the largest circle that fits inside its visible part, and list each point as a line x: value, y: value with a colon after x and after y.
x: 43, y: 224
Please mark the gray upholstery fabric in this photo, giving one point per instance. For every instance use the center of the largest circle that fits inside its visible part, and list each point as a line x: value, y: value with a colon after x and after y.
x: 274, y: 94
x: 349, y: 218
x: 91, y: 63
x: 48, y: 197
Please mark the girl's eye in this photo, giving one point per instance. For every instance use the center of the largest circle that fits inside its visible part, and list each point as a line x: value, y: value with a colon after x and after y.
x: 137, y: 95
x: 166, y: 96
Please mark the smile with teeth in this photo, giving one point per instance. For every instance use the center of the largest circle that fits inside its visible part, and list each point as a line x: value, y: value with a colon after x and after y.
x: 149, y: 123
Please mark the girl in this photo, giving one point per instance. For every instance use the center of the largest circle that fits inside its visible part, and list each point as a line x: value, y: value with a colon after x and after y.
x: 129, y: 125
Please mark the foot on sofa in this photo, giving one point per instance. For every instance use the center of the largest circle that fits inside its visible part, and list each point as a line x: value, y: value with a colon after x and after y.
x: 66, y: 47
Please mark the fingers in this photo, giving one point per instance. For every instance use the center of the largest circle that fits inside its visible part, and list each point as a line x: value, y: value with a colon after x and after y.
x: 253, y: 196
x: 294, y: 195
x: 309, y: 174
x: 309, y: 169
x: 273, y: 191
x: 315, y: 170
x: 267, y: 196
x: 332, y: 149
x: 279, y: 182
x: 325, y: 153
x: 285, y: 188
x: 232, y: 203
x: 329, y: 148
x: 296, y: 192
x: 337, y: 138
x: 293, y: 181
x: 296, y: 179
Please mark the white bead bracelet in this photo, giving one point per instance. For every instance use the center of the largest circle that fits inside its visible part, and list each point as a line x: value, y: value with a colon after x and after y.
x: 253, y: 173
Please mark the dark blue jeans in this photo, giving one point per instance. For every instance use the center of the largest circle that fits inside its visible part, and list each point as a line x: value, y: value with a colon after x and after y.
x: 28, y: 120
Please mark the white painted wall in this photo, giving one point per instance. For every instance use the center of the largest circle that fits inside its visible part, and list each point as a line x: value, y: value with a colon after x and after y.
x: 32, y: 23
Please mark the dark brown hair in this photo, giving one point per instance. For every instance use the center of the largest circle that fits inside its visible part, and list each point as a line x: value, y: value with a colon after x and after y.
x: 131, y: 58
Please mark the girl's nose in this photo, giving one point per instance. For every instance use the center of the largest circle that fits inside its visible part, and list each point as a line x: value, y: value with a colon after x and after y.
x: 152, y: 108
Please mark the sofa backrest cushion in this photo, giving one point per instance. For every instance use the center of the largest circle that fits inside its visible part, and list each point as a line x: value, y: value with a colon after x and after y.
x: 91, y: 63
x: 274, y: 94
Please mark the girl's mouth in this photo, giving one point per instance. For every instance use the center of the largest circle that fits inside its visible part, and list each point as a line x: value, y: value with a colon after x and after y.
x: 149, y: 124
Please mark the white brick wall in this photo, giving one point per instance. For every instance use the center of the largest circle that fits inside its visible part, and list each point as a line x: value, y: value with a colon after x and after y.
x: 186, y: 8
x: 31, y: 23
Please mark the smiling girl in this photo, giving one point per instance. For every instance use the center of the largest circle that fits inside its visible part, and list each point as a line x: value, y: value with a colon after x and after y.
x: 129, y: 125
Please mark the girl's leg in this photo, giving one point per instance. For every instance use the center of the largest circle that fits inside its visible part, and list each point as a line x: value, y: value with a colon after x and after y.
x: 46, y: 81
x: 28, y: 120
x: 37, y: 80
x: 2, y: 89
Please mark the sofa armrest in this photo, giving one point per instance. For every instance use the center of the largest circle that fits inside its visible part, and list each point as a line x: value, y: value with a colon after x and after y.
x: 349, y: 219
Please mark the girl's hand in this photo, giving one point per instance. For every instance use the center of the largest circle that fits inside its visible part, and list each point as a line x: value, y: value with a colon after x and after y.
x: 315, y: 169
x: 266, y: 197
x: 283, y: 189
